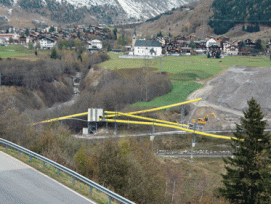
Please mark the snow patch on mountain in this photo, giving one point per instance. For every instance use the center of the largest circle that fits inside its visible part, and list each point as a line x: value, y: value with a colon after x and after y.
x: 133, y: 8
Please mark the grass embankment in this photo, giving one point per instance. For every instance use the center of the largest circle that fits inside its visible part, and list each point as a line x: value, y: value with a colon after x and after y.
x: 200, y: 176
x: 179, y: 92
x: 62, y: 178
x: 183, y: 72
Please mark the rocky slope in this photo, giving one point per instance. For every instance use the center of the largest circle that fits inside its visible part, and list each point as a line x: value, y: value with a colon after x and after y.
x: 101, y: 11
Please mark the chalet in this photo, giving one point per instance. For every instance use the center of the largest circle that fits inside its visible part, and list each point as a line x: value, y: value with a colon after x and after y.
x: 147, y: 48
x: 3, y: 41
x: 250, y: 43
x: 185, y: 50
x: 24, y: 40
x: 95, y: 44
x: 46, y: 43
x: 211, y: 43
x: 230, y: 48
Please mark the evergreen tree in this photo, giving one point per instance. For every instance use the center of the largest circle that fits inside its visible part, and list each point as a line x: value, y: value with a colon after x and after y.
x: 257, y: 27
x: 217, y: 55
x: 115, y: 31
x: 52, y: 29
x: 258, y: 44
x: 192, y: 45
x: 248, y: 173
x: 208, y: 55
x: 27, y: 32
x: 54, y: 54
x: 160, y: 34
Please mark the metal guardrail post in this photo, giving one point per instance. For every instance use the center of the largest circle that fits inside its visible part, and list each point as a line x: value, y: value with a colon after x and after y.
x: 6, y: 147
x: 90, y: 191
x: 30, y: 159
x: 110, y: 200
x: 18, y: 153
x: 44, y: 165
x: 73, y: 181
x: 57, y: 172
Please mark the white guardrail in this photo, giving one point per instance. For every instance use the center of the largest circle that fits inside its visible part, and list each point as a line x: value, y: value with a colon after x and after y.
x: 75, y: 175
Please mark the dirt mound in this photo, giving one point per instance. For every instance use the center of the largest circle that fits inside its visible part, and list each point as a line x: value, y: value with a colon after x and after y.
x: 229, y: 92
x: 235, y: 86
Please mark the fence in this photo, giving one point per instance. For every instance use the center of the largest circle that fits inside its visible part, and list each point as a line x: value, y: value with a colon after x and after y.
x: 72, y: 173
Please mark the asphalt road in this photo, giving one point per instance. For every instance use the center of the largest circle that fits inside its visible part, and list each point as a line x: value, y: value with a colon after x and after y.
x: 20, y: 183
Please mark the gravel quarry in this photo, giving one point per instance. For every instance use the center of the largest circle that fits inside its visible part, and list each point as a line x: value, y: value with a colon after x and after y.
x: 227, y: 94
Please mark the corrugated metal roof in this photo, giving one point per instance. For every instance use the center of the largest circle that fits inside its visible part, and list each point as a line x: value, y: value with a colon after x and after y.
x: 147, y: 43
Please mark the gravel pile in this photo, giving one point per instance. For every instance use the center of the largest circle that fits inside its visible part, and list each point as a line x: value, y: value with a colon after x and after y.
x: 238, y: 84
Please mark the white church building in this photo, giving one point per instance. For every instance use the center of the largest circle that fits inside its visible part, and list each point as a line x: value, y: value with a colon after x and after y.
x: 147, y: 48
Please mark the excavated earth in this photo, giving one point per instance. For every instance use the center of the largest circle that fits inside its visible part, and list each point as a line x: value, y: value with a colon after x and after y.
x: 227, y: 94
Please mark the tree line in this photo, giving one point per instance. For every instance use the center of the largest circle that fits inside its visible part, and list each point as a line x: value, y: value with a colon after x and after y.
x: 51, y: 77
x: 116, y: 90
x: 228, y: 13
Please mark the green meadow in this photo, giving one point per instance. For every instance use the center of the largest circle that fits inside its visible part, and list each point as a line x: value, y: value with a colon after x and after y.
x: 13, y: 50
x: 183, y: 71
x: 179, y: 92
x: 201, y: 65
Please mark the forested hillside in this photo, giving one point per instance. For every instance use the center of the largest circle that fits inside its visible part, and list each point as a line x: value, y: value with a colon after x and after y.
x: 188, y: 19
x: 228, y: 13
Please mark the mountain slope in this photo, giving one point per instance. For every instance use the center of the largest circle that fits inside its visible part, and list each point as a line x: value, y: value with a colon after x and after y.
x: 100, y: 11
x: 188, y: 19
x: 228, y: 13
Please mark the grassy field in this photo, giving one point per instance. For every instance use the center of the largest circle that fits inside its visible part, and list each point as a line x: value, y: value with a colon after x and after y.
x: 200, y: 65
x: 14, y: 50
x: 22, y: 53
x: 62, y: 178
x: 179, y: 91
x: 183, y: 71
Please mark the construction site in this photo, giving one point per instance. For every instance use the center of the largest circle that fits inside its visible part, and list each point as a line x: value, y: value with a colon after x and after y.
x: 227, y: 94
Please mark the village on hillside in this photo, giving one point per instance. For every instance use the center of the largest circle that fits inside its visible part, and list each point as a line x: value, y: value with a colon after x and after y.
x: 93, y: 37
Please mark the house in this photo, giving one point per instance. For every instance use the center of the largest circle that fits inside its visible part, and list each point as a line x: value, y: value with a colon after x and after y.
x: 147, y: 48
x: 8, y: 36
x: 230, y: 48
x: 2, y: 41
x: 46, y: 43
x: 24, y: 40
x: 95, y: 44
x: 250, y: 43
x: 211, y: 42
